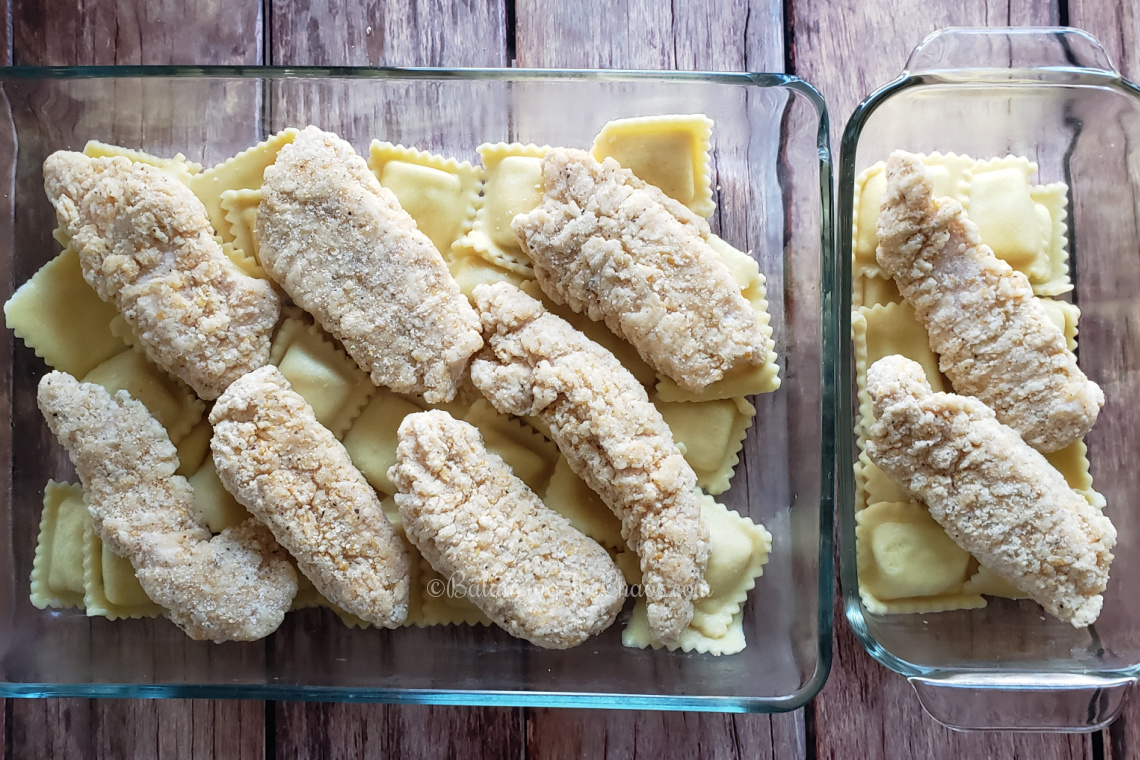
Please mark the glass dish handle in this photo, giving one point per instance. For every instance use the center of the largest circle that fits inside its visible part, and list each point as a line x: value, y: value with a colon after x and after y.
x: 1034, y: 53
x: 1022, y: 702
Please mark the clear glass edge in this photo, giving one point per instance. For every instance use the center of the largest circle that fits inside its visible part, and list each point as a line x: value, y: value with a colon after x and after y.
x: 845, y: 495
x: 829, y: 381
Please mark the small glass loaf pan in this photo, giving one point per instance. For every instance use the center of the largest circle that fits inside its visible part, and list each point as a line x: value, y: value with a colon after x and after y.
x: 1049, y: 95
x: 772, y: 188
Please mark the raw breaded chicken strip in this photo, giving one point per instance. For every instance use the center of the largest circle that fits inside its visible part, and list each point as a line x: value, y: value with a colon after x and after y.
x: 521, y: 562
x: 342, y: 247
x: 292, y: 473
x: 993, y: 339
x: 235, y: 586
x: 146, y: 245
x: 997, y: 497
x: 622, y: 251
x: 612, y: 437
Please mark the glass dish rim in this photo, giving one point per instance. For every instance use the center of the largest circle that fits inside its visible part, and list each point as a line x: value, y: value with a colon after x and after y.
x: 845, y: 479
x: 830, y: 369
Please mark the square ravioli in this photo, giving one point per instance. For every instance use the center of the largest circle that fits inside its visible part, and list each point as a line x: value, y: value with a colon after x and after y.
x: 738, y: 551
x: 111, y: 589
x: 512, y: 184
x: 243, y: 171
x: 671, y: 152
x: 57, y: 570
x: 60, y: 317
x: 710, y: 435
x: 439, y: 192
x: 322, y: 373
x: 907, y: 563
x: 170, y: 401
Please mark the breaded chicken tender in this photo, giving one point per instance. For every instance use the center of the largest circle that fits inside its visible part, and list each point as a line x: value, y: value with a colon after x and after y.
x: 292, y: 473
x: 612, y: 437
x: 475, y: 522
x: 236, y: 586
x: 345, y: 251
x: 993, y: 338
x: 622, y: 251
x: 146, y: 245
x: 997, y: 497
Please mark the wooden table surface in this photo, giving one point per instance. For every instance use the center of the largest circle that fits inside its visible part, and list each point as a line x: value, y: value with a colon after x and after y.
x: 844, y: 47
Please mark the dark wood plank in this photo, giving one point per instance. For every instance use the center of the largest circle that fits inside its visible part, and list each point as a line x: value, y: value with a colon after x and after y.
x: 337, y: 730
x: 93, y: 32
x: 740, y: 35
x: 378, y: 33
x: 1117, y: 26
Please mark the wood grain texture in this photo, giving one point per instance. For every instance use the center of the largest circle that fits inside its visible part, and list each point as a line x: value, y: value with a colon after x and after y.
x: 849, y: 48
x: 100, y: 33
x: 738, y: 35
x: 352, y: 731
x: 90, y: 32
x: 1116, y: 25
x: 565, y: 734
x: 380, y: 33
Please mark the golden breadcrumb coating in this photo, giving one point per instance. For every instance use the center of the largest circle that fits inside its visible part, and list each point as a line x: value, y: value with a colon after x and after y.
x: 997, y: 497
x: 292, y: 473
x: 612, y: 437
x: 146, y: 245
x: 993, y: 338
x: 478, y: 525
x: 236, y: 586
x: 622, y: 251
x: 342, y: 247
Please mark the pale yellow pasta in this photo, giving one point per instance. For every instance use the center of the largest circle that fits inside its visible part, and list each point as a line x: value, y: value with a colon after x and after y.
x: 239, y: 207
x: 57, y: 569
x: 60, y: 317
x: 568, y: 495
x: 111, y: 589
x: 442, y: 601
x: 748, y: 379
x: 371, y: 441
x: 879, y: 331
x: 1054, y: 198
x: 1065, y: 316
x: 193, y: 447
x: 738, y: 551
x: 869, y: 290
x: 907, y: 563
x: 440, y: 193
x: 671, y: 152
x: 243, y: 261
x: 710, y: 434
x: 322, y: 373
x: 470, y: 270
x: 243, y: 171
x: 218, y: 508
x: 307, y: 595
x: 177, y: 166
x: 989, y: 583
x: 512, y: 184
x: 1073, y: 463
x: 170, y: 401
x: 123, y: 330
x: 878, y: 486
x: 530, y: 456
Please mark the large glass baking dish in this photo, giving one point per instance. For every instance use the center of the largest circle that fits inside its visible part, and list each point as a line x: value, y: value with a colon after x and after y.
x: 1051, y: 95
x: 773, y: 190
